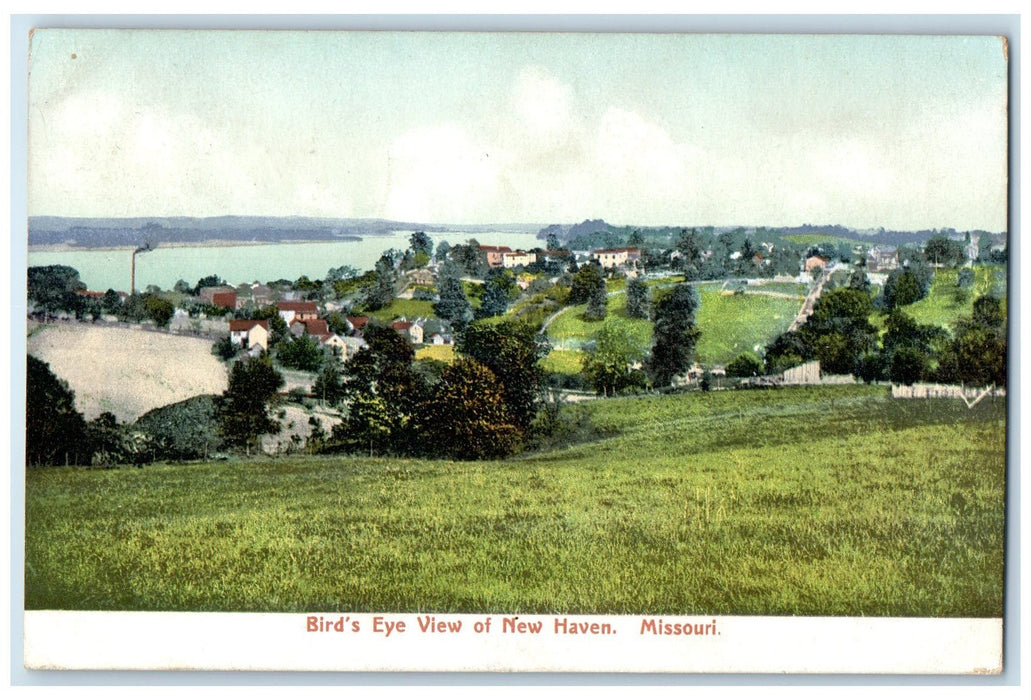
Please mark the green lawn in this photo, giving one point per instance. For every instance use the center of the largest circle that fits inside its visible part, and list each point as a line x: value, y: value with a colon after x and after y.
x: 818, y: 239
x: 564, y: 362
x: 409, y: 308
x: 808, y: 501
x: 732, y: 324
x: 945, y: 303
x: 729, y: 323
x: 571, y: 330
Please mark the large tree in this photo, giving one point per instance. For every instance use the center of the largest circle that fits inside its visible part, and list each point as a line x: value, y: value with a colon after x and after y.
x: 675, y: 334
x: 301, y: 353
x: 512, y: 350
x: 609, y: 366
x: 384, y: 371
x: 52, y: 287
x: 588, y: 283
x: 453, y: 305
x: 55, y: 432
x: 382, y: 291
x: 637, y: 298
x: 243, y: 409
x: 467, y: 416
x: 839, y: 331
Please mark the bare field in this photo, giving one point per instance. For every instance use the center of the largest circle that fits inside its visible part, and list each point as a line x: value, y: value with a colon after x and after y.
x: 127, y: 371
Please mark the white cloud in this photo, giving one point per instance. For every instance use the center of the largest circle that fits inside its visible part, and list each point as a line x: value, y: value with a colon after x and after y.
x: 439, y: 174
x: 115, y: 159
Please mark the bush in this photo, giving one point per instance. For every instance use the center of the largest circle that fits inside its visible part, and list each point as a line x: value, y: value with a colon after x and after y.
x: 183, y: 430
x: 747, y: 364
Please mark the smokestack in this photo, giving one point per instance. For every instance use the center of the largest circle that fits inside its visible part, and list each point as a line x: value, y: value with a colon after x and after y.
x: 145, y: 248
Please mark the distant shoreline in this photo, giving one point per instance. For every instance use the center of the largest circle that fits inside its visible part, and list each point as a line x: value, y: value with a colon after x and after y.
x: 212, y: 243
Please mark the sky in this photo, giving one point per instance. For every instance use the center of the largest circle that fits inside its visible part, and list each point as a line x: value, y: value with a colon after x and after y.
x: 900, y: 132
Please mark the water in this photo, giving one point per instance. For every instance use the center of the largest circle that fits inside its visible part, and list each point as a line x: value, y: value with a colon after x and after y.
x: 237, y: 264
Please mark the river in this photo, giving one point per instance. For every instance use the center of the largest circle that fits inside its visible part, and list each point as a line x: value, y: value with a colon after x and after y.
x: 237, y: 264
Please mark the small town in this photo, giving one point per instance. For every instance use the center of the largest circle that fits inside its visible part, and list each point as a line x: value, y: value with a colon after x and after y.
x: 656, y: 349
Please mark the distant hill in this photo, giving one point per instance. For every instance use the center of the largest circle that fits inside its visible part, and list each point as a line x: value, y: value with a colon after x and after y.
x: 131, y: 232
x: 596, y: 233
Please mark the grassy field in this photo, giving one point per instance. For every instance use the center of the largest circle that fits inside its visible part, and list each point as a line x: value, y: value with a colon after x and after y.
x: 816, y: 501
x: 409, y: 308
x: 818, y: 239
x: 444, y: 353
x: 945, y: 303
x: 732, y: 324
x: 564, y: 361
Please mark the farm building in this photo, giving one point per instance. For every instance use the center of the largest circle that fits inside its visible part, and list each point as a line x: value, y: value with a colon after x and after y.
x: 298, y: 311
x: 407, y: 328
x: 249, y: 333
x: 616, y: 257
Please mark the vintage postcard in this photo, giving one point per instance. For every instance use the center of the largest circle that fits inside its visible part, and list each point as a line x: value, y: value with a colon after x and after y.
x: 503, y: 351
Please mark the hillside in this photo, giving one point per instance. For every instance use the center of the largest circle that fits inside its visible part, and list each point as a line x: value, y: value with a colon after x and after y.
x: 127, y: 371
x: 808, y: 501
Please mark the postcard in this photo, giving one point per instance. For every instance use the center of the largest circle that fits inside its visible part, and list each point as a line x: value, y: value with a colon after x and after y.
x: 516, y: 351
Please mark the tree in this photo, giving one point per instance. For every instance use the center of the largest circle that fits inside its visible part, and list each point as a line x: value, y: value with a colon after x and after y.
x: 859, y: 281
x: 184, y: 430
x: 381, y: 293
x: 243, y: 409
x: 470, y: 258
x: 588, y: 283
x: 277, y: 328
x: 941, y: 250
x: 453, y: 306
x: 597, y: 304
x: 495, y: 300
x: 636, y: 298
x: 906, y: 365
x: 55, y: 432
x: 675, y: 334
x: 111, y: 302
x: 608, y: 366
x: 302, y: 353
x: 329, y: 385
x: 52, y: 287
x: 512, y: 350
x: 467, y: 416
x: 224, y: 348
x: 838, y: 332
x: 208, y: 281
x: 383, y: 370
x: 443, y: 248
x: 747, y: 364
x: 553, y: 242
x: 158, y: 309
x: 368, y: 423
x: 980, y: 346
x: 901, y: 289
x: 421, y: 244
x: 786, y: 351
x: 965, y: 278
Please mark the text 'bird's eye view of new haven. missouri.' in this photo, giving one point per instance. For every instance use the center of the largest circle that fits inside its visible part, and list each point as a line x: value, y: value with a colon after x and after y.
x: 515, y: 323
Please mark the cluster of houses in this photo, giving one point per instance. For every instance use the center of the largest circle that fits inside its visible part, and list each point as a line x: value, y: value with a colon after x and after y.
x: 624, y: 259
x: 302, y: 318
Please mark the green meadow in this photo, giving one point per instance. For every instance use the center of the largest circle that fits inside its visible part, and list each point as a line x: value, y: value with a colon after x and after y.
x: 729, y: 323
x: 803, y: 501
x: 945, y: 302
x: 734, y: 323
